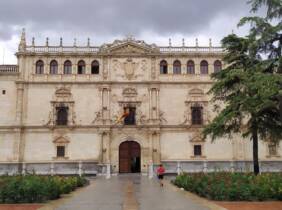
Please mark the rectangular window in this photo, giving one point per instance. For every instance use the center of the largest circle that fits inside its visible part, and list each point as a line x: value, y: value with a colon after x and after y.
x: 62, y: 115
x: 3, y: 92
x: 197, y: 150
x: 272, y: 148
x: 197, y: 115
x: 60, y: 151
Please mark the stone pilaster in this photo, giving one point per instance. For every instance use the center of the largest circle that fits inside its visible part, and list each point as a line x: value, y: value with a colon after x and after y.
x: 106, y: 147
x: 156, y: 147
x: 105, y: 96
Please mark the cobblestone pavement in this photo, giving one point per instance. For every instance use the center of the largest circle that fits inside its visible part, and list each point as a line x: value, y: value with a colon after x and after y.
x: 128, y: 192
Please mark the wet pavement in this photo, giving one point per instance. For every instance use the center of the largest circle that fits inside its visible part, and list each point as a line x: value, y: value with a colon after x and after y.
x: 129, y: 192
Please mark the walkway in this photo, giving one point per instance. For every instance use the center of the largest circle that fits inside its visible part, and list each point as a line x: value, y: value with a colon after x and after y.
x: 128, y: 192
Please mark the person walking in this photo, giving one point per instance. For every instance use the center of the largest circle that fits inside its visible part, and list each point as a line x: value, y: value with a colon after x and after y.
x: 160, y: 173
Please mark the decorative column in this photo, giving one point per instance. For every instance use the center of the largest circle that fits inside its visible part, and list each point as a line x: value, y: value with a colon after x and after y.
x: 153, y: 69
x: 106, y: 147
x: 158, y: 103
x: 154, y: 105
x: 105, y: 95
x: 156, y: 147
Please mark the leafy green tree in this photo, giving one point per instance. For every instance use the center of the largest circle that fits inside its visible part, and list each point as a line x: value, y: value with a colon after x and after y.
x: 250, y: 85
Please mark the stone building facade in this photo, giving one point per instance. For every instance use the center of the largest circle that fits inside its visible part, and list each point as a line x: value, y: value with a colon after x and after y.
x: 127, y: 105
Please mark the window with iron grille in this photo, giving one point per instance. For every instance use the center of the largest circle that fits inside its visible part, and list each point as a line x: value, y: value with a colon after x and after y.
x: 197, y: 150
x: 62, y: 115
x: 197, y: 115
x: 60, y: 151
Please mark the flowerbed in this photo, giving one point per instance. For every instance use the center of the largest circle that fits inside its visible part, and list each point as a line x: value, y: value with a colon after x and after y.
x: 233, y: 186
x: 36, y: 189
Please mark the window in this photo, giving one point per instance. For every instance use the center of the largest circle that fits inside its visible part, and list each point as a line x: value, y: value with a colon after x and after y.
x: 62, y: 115
x: 204, y: 67
x: 53, y: 67
x: 81, y: 67
x: 176, y: 67
x: 129, y: 118
x: 272, y: 148
x: 163, y: 67
x: 197, y: 118
x: 60, y: 151
x: 3, y: 92
x: 190, y: 67
x: 67, y: 67
x: 197, y: 150
x: 39, y: 67
x: 95, y: 67
x: 217, y: 66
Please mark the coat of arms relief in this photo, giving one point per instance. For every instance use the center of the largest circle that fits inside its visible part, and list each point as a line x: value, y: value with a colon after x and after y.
x: 130, y: 68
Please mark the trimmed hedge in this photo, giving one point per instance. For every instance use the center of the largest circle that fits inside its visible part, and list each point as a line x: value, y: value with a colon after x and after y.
x: 233, y: 186
x: 36, y: 189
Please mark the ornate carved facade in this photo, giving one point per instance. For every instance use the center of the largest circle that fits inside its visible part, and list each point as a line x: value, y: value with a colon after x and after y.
x: 73, y: 106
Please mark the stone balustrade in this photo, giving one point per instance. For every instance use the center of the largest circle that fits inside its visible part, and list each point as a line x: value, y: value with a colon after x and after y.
x: 88, y: 49
x: 9, y: 69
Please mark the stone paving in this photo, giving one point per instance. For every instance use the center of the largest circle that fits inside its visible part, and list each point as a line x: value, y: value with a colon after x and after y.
x: 129, y: 192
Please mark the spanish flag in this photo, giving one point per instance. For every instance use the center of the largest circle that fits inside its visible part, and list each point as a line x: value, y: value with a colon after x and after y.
x: 124, y: 115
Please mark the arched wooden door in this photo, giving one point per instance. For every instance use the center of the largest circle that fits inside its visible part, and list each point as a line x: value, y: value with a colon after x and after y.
x: 129, y: 157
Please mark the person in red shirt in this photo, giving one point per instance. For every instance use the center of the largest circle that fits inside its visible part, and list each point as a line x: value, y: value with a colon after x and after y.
x: 160, y: 173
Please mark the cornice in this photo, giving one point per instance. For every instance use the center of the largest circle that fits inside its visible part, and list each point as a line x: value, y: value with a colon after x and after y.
x: 116, y: 82
x: 99, y: 127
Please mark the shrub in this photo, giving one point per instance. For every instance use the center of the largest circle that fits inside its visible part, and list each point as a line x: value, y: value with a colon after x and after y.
x: 233, y: 186
x: 33, y: 188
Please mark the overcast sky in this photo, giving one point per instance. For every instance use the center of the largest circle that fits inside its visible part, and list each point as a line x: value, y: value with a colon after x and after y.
x: 154, y: 21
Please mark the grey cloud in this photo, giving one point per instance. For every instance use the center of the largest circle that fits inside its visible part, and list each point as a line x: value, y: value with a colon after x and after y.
x: 114, y: 17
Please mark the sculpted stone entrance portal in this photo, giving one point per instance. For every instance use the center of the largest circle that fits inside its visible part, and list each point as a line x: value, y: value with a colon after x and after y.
x: 129, y: 157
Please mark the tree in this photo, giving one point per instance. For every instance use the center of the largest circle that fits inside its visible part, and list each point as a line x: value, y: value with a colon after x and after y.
x: 250, y: 85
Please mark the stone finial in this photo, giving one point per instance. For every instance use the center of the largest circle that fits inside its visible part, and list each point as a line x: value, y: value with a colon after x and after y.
x: 47, y: 42
x: 197, y: 42
x: 210, y: 42
x: 169, y: 41
x: 74, y: 42
x: 129, y: 37
x: 61, y: 42
x: 22, y: 44
x: 88, y: 42
x: 183, y: 42
x: 33, y: 41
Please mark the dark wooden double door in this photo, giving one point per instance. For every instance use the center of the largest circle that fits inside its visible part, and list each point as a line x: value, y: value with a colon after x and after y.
x: 129, y: 157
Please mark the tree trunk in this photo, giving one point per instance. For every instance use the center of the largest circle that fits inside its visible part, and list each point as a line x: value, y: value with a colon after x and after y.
x: 255, y: 151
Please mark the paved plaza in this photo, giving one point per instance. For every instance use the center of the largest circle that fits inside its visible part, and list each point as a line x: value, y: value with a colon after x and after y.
x: 129, y: 192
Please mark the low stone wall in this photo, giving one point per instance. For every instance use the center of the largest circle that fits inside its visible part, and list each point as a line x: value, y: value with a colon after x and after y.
x: 176, y: 167
x: 52, y: 168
